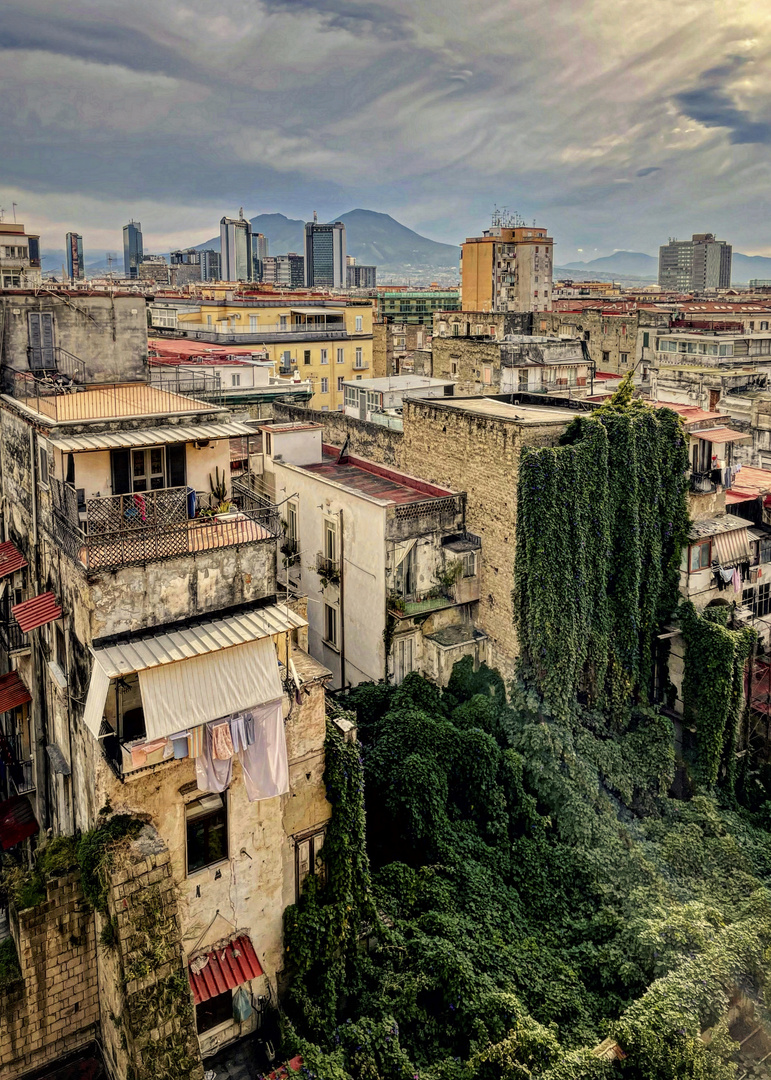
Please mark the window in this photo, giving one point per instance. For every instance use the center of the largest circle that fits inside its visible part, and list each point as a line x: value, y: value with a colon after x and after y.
x: 330, y: 625
x: 487, y: 375
x: 148, y: 471
x: 217, y: 1010
x: 374, y: 400
x: 252, y: 322
x: 291, y: 521
x: 307, y: 854
x: 208, y: 320
x: 359, y: 358
x: 404, y: 658
x: 325, y: 386
x: 307, y: 356
x: 523, y: 379
x: 763, y: 599
x: 454, y: 367
x: 325, y: 408
x: 341, y: 356
x: 468, y: 562
x: 325, y: 356
x: 207, y: 832
x: 455, y: 329
x: 340, y: 381
x: 359, y: 324
x: 235, y: 378
x: 420, y: 339
x: 699, y: 557
x: 351, y: 397
x: 624, y: 357
x: 606, y: 358
x: 400, y: 341
x: 330, y: 540
x: 42, y: 447
x: 764, y: 326
x: 282, y: 321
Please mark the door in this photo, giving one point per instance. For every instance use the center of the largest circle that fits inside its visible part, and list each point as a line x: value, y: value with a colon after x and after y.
x: 148, y: 471
x: 41, y: 341
x: 403, y: 658
x: 714, y: 397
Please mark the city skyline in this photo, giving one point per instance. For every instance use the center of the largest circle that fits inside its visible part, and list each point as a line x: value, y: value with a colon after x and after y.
x: 433, y: 116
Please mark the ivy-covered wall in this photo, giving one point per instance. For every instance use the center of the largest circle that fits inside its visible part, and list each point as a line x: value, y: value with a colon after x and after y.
x: 602, y: 520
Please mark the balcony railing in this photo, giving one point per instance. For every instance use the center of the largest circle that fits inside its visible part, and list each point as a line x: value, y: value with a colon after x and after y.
x: 126, y: 530
x: 201, y: 385
x: 441, y: 513
x: 12, y: 639
x: 58, y: 361
x: 702, y: 483
x: 22, y: 776
x: 421, y: 602
x: 263, y: 335
x: 327, y: 568
x: 64, y: 400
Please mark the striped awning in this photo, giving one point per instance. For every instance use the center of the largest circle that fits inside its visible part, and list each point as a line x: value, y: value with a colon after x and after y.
x: 13, y: 692
x: 730, y: 548
x: 17, y: 821
x: 36, y: 611
x: 11, y: 559
x: 223, y: 969
x: 719, y: 435
x: 156, y: 436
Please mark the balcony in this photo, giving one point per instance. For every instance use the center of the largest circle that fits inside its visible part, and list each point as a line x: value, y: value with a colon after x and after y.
x: 361, y: 367
x: 438, y: 514
x: 703, y: 484
x: 328, y: 570
x: 268, y: 334
x: 128, y: 530
x: 22, y: 777
x: 422, y: 603
x: 12, y: 640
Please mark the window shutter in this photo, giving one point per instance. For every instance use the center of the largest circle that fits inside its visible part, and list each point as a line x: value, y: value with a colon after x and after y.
x: 121, y: 472
x: 35, y: 352
x: 47, y: 342
x: 175, y: 464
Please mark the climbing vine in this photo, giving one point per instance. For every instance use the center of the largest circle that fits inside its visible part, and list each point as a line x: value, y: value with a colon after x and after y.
x: 713, y: 689
x: 602, y: 520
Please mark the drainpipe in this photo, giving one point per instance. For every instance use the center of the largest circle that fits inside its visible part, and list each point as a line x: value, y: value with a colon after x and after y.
x: 342, y: 606
x: 36, y: 654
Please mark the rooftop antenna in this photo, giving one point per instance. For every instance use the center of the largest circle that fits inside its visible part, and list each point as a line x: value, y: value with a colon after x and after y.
x: 110, y: 260
x: 315, y: 216
x: 241, y: 213
x: 2, y: 213
x: 14, y: 205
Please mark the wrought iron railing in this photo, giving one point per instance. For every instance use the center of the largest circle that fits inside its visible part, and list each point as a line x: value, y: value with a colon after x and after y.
x: 702, y: 483
x: 22, y: 775
x: 12, y: 638
x: 426, y: 515
x: 327, y: 568
x: 249, y: 492
x: 418, y: 602
x: 201, y: 385
x: 64, y: 400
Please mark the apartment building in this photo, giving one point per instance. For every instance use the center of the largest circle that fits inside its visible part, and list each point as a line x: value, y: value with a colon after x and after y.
x: 326, y: 339
x: 413, y: 307
x: 521, y: 363
x: 19, y: 257
x: 143, y: 636
x: 507, y: 268
x: 389, y: 569
x: 695, y: 265
x: 133, y: 249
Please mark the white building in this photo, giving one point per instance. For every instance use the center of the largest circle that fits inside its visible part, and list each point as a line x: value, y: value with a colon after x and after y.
x: 390, y: 572
x: 19, y: 257
x: 366, y: 399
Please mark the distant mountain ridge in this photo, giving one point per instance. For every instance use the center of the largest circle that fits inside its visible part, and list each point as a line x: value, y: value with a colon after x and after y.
x: 638, y: 264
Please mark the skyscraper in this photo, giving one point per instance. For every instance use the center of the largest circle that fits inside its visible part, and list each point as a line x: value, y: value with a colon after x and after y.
x: 695, y: 265
x: 237, y: 261
x: 76, y: 271
x: 133, y: 251
x: 259, y: 254
x: 325, y: 254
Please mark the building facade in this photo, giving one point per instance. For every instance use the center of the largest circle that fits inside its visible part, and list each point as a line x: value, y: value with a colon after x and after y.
x: 19, y: 257
x: 259, y: 254
x: 695, y: 265
x: 359, y: 276
x: 325, y: 255
x: 286, y: 271
x: 508, y: 268
x: 133, y: 251
x: 236, y: 254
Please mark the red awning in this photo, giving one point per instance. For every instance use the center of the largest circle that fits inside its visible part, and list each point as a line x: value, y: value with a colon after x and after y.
x: 11, y: 559
x: 224, y: 969
x: 13, y: 692
x: 17, y: 821
x: 36, y: 612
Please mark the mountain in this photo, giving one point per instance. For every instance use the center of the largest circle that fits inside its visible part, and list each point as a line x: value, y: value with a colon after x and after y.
x: 744, y: 267
x: 636, y: 263
x: 370, y: 237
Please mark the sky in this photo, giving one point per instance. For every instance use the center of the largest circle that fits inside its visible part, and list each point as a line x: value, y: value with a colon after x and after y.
x: 614, y: 123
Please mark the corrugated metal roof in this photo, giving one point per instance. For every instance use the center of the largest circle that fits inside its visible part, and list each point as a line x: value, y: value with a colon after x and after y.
x: 11, y: 559
x: 166, y: 648
x: 700, y: 530
x: 37, y: 611
x: 13, y: 692
x: 225, y: 969
x: 117, y: 440
x: 719, y: 435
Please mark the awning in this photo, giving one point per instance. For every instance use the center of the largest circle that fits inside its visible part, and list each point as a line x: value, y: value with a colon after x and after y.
x: 223, y: 969
x: 122, y: 440
x: 13, y: 692
x: 178, y: 649
x: 719, y: 435
x: 11, y: 559
x: 338, y: 312
x: 17, y: 821
x: 731, y: 547
x: 36, y: 612
x: 193, y: 692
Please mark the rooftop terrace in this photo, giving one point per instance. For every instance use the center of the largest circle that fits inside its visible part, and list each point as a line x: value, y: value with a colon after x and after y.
x: 108, y: 401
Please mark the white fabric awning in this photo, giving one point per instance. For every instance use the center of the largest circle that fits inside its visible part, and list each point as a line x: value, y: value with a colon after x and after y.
x: 179, y: 649
x: 338, y: 312
x: 193, y: 692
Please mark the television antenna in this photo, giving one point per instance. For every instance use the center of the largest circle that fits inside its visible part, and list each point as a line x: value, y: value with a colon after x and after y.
x: 111, y: 258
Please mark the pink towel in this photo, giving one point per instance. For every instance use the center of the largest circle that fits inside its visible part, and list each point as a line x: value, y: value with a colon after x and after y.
x: 222, y: 742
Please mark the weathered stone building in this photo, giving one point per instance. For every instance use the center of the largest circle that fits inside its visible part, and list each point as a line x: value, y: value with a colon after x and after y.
x: 520, y: 363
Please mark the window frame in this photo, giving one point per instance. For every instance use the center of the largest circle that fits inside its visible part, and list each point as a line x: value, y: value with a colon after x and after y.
x: 206, y: 816
x: 699, y: 546
x: 331, y: 621
x: 206, y: 1006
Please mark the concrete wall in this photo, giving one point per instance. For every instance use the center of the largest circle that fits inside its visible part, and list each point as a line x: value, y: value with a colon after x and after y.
x: 55, y: 1009
x: 109, y: 333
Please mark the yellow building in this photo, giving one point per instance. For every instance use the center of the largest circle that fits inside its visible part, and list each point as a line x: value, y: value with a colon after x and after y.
x: 327, y: 340
x: 507, y: 269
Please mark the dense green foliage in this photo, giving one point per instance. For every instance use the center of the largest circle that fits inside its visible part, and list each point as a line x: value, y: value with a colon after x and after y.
x: 95, y: 850
x: 537, y: 889
x: 10, y: 972
x: 600, y: 528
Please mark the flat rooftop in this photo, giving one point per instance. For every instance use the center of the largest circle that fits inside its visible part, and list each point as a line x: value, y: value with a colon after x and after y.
x: 398, y: 382
x: 111, y: 401
x: 374, y: 480
x: 495, y: 408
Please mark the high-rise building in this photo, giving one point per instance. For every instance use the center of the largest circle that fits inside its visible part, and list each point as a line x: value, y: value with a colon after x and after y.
x: 210, y: 265
x: 76, y: 270
x: 325, y: 254
x: 695, y: 265
x: 508, y: 268
x: 259, y: 254
x: 285, y: 270
x: 359, y: 276
x: 237, y: 259
x: 133, y: 252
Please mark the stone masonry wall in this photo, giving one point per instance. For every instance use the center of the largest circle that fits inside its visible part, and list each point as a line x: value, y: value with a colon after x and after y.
x: 367, y: 440
x: 54, y: 1010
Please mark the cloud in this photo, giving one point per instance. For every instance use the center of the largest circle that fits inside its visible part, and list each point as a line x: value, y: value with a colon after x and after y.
x: 433, y: 112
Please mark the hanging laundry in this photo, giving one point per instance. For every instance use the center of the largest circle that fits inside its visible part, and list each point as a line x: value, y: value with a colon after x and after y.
x: 222, y: 743
x: 737, y: 580
x: 249, y: 728
x: 138, y: 755
x: 180, y: 744
x: 212, y: 774
x: 265, y: 765
x: 197, y: 741
x: 238, y: 732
